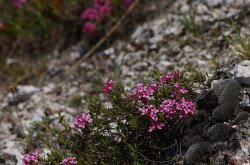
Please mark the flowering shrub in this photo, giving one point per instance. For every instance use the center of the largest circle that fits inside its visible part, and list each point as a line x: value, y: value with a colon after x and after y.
x: 109, y: 86
x: 32, y: 158
x: 69, y: 161
x: 20, y: 3
x: 173, y: 108
x: 133, y: 129
x: 32, y: 27
x: 99, y: 12
x: 82, y: 120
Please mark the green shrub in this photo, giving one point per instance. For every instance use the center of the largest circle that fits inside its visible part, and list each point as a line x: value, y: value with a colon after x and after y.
x: 135, y: 129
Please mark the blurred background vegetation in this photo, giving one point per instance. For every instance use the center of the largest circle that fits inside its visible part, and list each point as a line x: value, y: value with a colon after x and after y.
x: 31, y: 29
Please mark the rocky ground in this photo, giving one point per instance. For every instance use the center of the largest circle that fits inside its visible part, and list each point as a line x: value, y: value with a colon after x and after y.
x: 182, y: 34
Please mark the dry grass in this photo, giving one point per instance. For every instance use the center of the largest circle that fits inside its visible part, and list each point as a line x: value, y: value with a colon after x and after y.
x: 239, y: 44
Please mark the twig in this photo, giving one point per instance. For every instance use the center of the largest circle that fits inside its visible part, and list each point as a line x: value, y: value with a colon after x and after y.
x: 18, y: 117
x: 103, y: 39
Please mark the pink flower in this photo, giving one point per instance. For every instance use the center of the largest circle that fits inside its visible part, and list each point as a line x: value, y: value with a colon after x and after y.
x: 178, y: 90
x: 186, y: 108
x: 89, y: 27
x: 168, y: 108
x: 144, y: 93
x: 32, y: 158
x: 20, y: 3
x: 69, y: 161
x: 127, y: 3
x: 105, y: 10
x: 164, y: 79
x: 90, y: 14
x: 108, y: 87
x: 1, y: 25
x: 154, y: 86
x: 156, y: 125
x: 149, y: 110
x: 104, y: 7
x: 81, y: 121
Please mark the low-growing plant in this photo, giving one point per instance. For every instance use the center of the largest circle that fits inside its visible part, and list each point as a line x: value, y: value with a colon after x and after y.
x: 239, y: 44
x: 134, y: 129
x: 75, y: 101
x: 189, y: 22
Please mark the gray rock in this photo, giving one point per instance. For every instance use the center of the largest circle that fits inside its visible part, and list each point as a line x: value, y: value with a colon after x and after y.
x: 24, y: 92
x: 214, y: 3
x: 184, y: 9
x: 245, y: 103
x: 218, y: 146
x: 153, y: 47
x: 109, y: 51
x: 140, y: 66
x: 228, y: 92
x: 223, y: 113
x: 207, y: 100
x: 138, y: 32
x: 241, y: 72
x: 8, y: 159
x: 165, y: 65
x: 74, y: 56
x: 189, y: 140
x: 218, y: 132
x: 233, y: 142
x: 242, y: 116
x: 219, y: 87
x: 197, y: 153
x: 170, y: 152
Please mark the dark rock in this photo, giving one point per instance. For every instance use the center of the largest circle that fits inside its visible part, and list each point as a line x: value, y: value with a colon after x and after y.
x: 237, y: 111
x: 242, y: 116
x: 218, y: 146
x: 241, y: 72
x: 7, y: 159
x: 245, y: 103
x: 197, y: 153
x: 230, y: 94
x: 207, y: 100
x: 23, y: 93
x: 170, y: 152
x: 245, y: 108
x: 220, y: 85
x: 233, y: 142
x: 189, y: 140
x: 223, y: 113
x: 218, y: 132
x: 203, y: 114
x: 224, y: 97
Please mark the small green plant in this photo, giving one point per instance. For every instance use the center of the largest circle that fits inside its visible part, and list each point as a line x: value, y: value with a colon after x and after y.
x: 75, y: 101
x: 134, y: 130
x: 195, y: 75
x: 239, y: 44
x: 17, y: 72
x: 190, y: 23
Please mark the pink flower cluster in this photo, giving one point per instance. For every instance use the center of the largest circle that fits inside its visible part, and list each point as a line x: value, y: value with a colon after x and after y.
x: 20, y: 3
x: 176, y: 106
x: 69, y: 161
x: 32, y: 158
x: 128, y: 3
x: 108, y: 87
x: 82, y: 120
x: 95, y: 14
x: 144, y: 93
